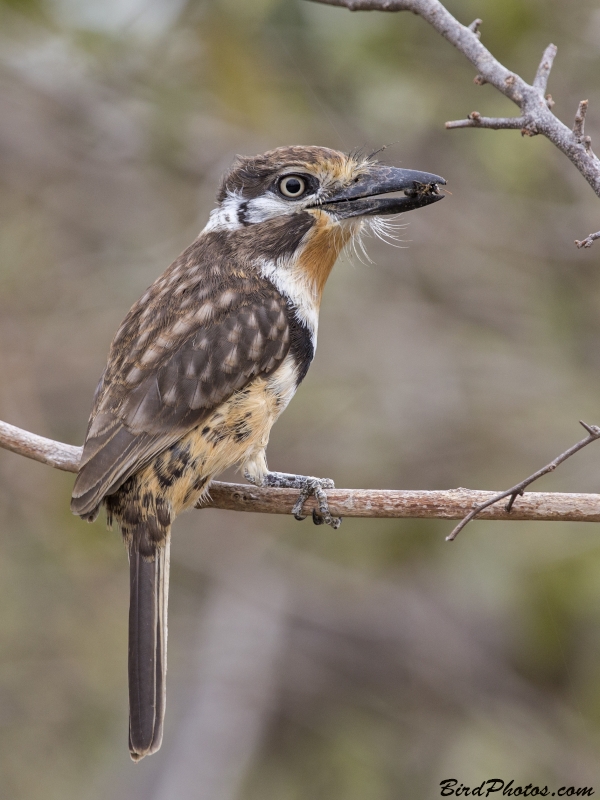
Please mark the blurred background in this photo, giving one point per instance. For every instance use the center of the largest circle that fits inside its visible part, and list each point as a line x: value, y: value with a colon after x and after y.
x: 369, y: 663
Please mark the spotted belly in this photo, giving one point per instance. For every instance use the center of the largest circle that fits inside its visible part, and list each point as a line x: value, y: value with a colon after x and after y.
x: 235, y: 433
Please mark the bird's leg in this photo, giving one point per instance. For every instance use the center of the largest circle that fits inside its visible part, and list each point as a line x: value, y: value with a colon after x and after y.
x: 308, y: 486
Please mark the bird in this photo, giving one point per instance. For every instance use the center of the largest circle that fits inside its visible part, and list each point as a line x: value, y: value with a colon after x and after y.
x: 207, y: 360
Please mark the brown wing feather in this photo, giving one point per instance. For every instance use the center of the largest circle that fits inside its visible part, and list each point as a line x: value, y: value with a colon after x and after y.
x: 196, y: 337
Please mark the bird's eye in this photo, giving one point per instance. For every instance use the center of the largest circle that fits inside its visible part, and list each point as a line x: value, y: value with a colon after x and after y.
x: 292, y: 186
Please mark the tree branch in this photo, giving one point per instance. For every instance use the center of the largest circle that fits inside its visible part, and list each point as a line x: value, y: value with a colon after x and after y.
x: 536, y: 109
x: 47, y: 451
x: 475, y: 120
x: 372, y: 503
x: 540, y: 81
x: 588, y: 241
x: 515, y: 491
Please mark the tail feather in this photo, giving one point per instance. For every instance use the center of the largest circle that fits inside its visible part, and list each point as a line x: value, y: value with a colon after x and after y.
x: 149, y: 593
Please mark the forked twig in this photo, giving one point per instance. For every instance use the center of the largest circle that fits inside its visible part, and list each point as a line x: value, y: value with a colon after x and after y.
x: 536, y: 116
x: 516, y: 491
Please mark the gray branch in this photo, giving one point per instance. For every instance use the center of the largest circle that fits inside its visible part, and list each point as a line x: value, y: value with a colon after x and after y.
x: 588, y: 241
x: 370, y: 503
x: 543, y: 71
x: 536, y: 115
x: 475, y: 120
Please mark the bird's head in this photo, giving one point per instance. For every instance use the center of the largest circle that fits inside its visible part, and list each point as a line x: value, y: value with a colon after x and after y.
x: 300, y: 205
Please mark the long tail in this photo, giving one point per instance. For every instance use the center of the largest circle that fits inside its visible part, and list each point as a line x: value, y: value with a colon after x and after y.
x: 149, y: 595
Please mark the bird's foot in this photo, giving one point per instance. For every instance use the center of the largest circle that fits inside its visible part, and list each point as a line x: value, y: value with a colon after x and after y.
x: 308, y: 486
x: 316, y: 487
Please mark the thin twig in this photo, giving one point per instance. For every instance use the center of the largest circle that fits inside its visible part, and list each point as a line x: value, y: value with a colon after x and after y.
x: 475, y: 120
x: 588, y: 241
x: 535, y: 106
x: 540, y: 82
x: 515, y: 491
x: 371, y: 503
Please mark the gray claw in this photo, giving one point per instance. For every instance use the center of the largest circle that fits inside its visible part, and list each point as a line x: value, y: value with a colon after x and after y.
x: 316, y: 486
x: 307, y: 486
x: 317, y: 518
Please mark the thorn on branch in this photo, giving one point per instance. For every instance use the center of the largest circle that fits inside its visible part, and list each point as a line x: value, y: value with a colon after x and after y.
x: 479, y: 80
x: 587, y: 242
x: 474, y: 27
x: 543, y: 71
x: 550, y: 102
x: 593, y: 430
x: 519, y: 489
x: 580, y: 120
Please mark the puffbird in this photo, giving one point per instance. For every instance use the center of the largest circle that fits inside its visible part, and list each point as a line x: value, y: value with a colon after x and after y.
x: 208, y: 358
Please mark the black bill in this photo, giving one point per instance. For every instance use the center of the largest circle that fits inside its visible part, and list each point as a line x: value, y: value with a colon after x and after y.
x: 361, y: 199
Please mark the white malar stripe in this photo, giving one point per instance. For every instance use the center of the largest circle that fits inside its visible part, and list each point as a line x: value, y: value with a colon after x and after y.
x: 259, y: 209
x: 295, y: 287
x: 268, y: 206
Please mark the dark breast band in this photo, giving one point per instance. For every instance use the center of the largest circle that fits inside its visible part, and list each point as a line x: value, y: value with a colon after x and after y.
x: 301, y: 346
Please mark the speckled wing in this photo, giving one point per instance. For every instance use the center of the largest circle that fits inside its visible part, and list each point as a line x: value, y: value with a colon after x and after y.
x: 179, y: 354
